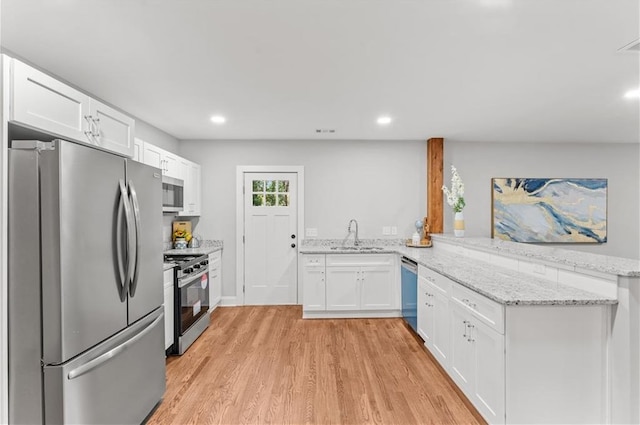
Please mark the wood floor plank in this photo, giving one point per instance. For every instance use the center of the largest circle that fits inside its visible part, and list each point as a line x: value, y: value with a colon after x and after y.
x: 266, y: 365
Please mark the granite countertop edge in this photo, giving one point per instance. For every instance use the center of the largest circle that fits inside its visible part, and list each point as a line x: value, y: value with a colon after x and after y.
x: 207, y: 247
x: 493, y: 282
x: 560, y: 257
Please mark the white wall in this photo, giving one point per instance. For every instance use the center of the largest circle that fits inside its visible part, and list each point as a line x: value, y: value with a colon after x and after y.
x: 379, y: 183
x: 477, y: 163
x: 157, y: 137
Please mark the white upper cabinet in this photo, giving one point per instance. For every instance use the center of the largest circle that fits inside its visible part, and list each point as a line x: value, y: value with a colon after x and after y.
x: 172, y: 166
x: 41, y: 102
x: 191, y: 174
x: 138, y: 150
x: 177, y: 167
x: 168, y: 162
x: 113, y: 130
x: 152, y: 155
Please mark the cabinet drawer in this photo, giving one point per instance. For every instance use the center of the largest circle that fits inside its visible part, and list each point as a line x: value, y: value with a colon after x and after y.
x: 490, y: 312
x: 313, y: 260
x: 359, y: 260
x: 215, y: 256
x: 443, y: 284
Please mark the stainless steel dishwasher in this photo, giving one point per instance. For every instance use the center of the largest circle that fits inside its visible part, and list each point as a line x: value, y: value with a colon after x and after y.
x: 409, y: 283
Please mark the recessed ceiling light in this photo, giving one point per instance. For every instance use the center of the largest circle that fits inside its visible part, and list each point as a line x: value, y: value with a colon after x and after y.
x: 385, y: 120
x: 631, y: 94
x: 218, y: 119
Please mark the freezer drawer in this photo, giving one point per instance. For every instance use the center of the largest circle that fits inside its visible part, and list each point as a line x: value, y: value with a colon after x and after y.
x: 118, y: 382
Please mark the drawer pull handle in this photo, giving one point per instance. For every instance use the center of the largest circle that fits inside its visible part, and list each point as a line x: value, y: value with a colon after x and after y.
x: 469, y: 303
x: 469, y: 339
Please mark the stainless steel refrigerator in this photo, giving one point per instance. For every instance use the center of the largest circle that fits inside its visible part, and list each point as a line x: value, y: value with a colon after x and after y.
x: 86, y: 332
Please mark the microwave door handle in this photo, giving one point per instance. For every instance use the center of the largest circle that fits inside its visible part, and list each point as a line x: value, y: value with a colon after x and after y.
x: 127, y: 215
x: 136, y: 215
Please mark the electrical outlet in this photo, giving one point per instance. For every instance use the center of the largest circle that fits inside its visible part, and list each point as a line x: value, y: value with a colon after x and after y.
x: 394, y: 230
x: 311, y: 232
x: 386, y: 230
x: 540, y: 269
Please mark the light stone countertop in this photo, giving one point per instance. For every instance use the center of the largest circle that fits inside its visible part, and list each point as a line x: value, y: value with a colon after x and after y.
x: 499, y: 284
x: 207, y: 247
x: 573, y: 259
x: 168, y: 266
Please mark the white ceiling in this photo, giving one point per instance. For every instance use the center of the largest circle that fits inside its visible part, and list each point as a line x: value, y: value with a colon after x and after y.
x: 467, y: 70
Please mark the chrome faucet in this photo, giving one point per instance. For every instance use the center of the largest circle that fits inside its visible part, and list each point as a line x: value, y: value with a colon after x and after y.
x: 356, y: 241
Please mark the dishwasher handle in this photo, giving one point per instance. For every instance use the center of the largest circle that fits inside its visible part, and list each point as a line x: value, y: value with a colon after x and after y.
x: 409, y: 264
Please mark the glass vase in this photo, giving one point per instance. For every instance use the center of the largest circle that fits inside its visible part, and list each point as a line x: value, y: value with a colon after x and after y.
x: 458, y: 224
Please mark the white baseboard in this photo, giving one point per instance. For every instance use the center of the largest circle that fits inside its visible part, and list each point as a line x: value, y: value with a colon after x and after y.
x: 228, y: 302
x: 351, y: 314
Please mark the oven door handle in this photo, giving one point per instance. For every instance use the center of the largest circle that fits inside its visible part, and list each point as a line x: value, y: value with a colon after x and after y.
x: 185, y: 281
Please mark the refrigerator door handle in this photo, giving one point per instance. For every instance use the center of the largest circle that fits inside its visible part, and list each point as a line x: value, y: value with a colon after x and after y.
x: 136, y: 215
x: 127, y: 215
x: 123, y: 264
x: 94, y: 363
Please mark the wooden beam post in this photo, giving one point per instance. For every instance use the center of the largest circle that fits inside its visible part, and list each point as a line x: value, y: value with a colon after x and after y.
x: 435, y: 158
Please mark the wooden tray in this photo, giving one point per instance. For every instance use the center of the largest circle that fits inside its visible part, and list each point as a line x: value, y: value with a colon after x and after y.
x: 427, y: 245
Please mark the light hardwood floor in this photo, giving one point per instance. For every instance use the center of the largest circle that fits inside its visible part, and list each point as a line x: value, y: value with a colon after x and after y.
x: 267, y: 365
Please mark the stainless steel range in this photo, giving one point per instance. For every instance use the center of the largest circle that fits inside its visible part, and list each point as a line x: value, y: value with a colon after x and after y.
x: 191, y: 298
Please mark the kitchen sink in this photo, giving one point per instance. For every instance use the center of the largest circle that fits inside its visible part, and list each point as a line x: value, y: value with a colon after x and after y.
x: 356, y: 248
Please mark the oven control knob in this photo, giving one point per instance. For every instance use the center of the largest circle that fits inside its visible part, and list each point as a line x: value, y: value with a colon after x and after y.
x: 196, y: 266
x: 205, y: 262
x: 188, y: 270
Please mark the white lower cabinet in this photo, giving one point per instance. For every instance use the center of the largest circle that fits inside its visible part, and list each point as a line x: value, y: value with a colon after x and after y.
x: 433, y: 313
x: 314, y: 288
x: 489, y: 369
x: 477, y: 363
x: 517, y: 364
x: 440, y: 342
x: 355, y: 285
x: 377, y: 287
x: 168, y: 308
x: 215, y: 279
x: 425, y: 312
x: 361, y: 282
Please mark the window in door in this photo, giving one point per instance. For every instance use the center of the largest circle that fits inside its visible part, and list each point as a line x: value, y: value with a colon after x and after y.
x: 270, y: 193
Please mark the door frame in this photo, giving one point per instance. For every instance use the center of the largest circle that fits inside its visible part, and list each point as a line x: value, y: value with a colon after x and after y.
x: 241, y: 170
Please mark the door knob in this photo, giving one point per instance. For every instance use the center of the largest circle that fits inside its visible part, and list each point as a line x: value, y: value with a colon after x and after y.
x: 293, y: 245
x: 293, y: 236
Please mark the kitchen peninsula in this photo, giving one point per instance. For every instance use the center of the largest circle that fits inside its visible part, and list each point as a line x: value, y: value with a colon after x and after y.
x: 529, y: 333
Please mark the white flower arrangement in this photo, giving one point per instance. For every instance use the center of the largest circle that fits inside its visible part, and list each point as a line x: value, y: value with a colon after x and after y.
x: 455, y: 197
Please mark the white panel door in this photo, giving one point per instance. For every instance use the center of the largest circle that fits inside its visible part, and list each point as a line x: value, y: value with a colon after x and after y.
x: 115, y: 129
x: 489, y: 372
x: 462, y: 349
x: 45, y: 103
x: 314, y: 289
x: 343, y: 288
x: 425, y: 312
x: 152, y: 155
x: 377, y: 288
x: 441, y: 331
x: 271, y: 242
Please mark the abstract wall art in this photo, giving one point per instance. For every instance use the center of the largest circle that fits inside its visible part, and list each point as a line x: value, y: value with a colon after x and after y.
x: 549, y: 210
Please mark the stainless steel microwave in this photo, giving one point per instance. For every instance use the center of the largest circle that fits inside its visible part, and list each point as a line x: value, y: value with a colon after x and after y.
x: 172, y: 194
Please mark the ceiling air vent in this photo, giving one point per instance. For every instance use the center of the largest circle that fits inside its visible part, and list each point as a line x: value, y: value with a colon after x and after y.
x: 325, y: 130
x: 634, y: 46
